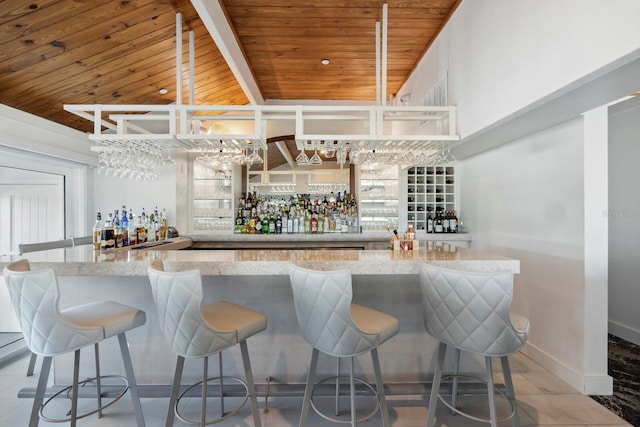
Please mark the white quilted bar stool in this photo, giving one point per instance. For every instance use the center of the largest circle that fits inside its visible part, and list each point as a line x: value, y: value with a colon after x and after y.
x: 469, y: 311
x: 194, y: 330
x: 49, y: 332
x: 332, y: 324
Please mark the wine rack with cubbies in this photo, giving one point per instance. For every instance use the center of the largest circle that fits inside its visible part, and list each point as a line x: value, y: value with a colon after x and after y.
x: 430, y: 189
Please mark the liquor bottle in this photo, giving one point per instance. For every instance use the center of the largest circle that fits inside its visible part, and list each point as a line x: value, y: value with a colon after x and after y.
x: 239, y: 221
x: 296, y: 224
x: 429, y: 223
x: 97, y: 231
x: 314, y: 223
x: 272, y: 225
x: 141, y: 228
x: 279, y: 225
x: 445, y: 222
x: 133, y: 231
x: 124, y: 224
x: 164, y: 225
x: 258, y: 222
x: 156, y: 224
x: 108, y: 234
x: 453, y: 222
x: 151, y: 235
x: 438, y: 224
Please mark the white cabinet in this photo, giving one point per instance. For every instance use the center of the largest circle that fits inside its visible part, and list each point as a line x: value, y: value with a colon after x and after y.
x: 430, y: 189
x: 378, y: 202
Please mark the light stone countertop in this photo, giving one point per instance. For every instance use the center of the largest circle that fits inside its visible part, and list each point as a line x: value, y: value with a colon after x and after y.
x: 84, y: 261
x: 367, y: 236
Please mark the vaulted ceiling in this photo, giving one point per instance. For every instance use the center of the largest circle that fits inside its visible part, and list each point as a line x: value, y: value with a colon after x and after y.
x: 55, y: 52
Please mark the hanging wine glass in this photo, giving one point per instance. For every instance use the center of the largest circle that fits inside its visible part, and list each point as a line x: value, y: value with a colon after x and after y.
x: 315, y: 160
x: 302, y: 159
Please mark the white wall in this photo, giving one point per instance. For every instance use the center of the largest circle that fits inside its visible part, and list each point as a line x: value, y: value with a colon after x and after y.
x: 504, y: 56
x: 525, y: 200
x: 624, y: 221
x: 112, y: 192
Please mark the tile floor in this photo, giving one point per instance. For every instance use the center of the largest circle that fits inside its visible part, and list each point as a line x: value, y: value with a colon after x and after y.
x: 543, y: 400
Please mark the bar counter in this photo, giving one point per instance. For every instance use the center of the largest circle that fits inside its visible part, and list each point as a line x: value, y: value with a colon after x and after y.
x: 382, y: 279
x: 367, y: 240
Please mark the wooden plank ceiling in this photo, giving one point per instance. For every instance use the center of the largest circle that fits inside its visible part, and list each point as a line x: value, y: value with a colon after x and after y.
x: 55, y: 52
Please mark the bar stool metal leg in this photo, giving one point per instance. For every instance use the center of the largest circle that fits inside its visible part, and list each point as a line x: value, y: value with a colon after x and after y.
x: 352, y: 391
x: 490, y: 392
x: 40, y: 390
x: 133, y: 386
x: 98, y: 383
x: 221, y: 383
x: 250, y: 384
x: 74, y: 388
x: 175, y: 391
x: 380, y: 387
x: 306, y: 401
x: 32, y: 364
x: 337, y: 409
x: 506, y: 370
x: 203, y: 397
x: 435, y: 388
x: 454, y: 385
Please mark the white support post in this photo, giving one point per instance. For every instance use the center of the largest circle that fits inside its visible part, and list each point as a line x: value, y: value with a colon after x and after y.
x: 378, y: 102
x: 383, y: 92
x: 178, y: 59
x: 192, y: 44
x: 97, y: 130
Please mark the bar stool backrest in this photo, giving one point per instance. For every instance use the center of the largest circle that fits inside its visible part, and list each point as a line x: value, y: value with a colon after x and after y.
x: 178, y: 301
x: 470, y: 310
x: 322, y: 301
x: 35, y: 296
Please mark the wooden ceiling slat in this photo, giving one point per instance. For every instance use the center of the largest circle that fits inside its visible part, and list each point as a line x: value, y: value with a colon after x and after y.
x: 318, y: 28
x: 256, y: 43
x: 303, y: 12
x: 75, y: 31
x: 54, y: 52
x: 30, y: 17
x: 278, y: 25
x: 342, y: 3
x: 150, y: 48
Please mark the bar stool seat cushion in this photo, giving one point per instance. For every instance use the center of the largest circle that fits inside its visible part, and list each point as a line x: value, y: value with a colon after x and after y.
x: 112, y: 317
x: 374, y: 322
x: 226, y: 316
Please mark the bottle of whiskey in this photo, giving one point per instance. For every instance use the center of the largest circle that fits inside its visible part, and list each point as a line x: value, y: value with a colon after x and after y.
x: 108, y: 236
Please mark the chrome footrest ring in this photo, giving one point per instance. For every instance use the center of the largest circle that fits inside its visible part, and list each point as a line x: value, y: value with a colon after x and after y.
x: 125, y: 386
x: 223, y: 416
x: 338, y: 420
x: 472, y: 417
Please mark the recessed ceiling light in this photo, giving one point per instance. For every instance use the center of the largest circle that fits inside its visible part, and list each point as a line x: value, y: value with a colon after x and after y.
x: 325, y: 62
x: 163, y: 91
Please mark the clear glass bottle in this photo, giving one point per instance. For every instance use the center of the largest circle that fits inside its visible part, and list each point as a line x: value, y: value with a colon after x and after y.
x: 97, y: 231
